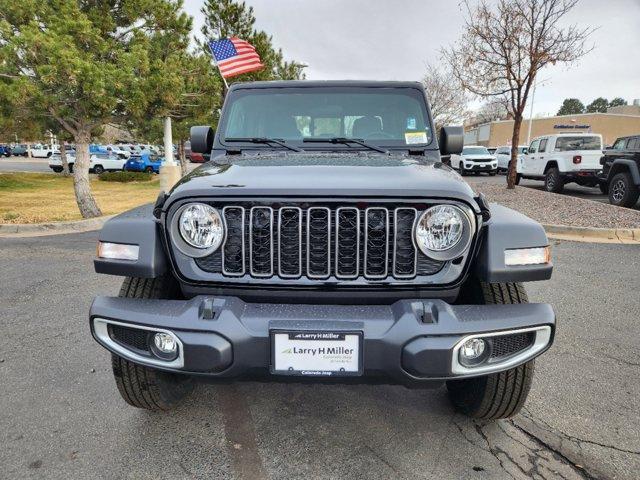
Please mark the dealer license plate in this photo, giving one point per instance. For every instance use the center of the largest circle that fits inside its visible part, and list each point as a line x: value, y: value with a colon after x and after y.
x: 319, y: 353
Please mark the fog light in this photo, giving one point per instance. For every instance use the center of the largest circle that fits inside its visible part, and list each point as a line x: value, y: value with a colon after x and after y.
x: 165, y: 345
x: 473, y: 351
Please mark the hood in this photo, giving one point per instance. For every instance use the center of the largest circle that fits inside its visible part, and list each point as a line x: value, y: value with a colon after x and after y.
x: 358, y: 175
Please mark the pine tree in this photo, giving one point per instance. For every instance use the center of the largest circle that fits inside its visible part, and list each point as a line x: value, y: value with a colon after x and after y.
x: 228, y: 18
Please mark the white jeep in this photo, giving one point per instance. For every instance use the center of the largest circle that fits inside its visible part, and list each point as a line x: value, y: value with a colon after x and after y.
x: 562, y: 158
x: 98, y: 163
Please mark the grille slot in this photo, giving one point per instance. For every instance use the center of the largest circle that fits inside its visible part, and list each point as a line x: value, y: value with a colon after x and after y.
x: 261, y: 241
x: 507, y: 345
x: 405, y: 255
x: 290, y: 242
x: 233, y: 249
x: 347, y: 242
x: 376, y: 242
x: 320, y: 243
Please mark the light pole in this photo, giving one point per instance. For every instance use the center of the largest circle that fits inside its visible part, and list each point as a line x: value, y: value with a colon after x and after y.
x: 169, y: 171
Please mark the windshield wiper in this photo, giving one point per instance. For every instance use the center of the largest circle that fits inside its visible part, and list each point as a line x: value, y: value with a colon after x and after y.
x: 345, y: 141
x: 265, y: 141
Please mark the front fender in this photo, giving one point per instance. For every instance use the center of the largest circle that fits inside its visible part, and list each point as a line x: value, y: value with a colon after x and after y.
x: 508, y: 229
x: 134, y: 227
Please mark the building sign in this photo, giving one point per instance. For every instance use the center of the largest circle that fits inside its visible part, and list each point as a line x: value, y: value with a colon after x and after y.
x: 572, y: 127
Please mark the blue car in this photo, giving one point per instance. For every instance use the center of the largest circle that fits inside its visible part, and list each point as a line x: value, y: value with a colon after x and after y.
x: 5, y: 150
x: 145, y: 162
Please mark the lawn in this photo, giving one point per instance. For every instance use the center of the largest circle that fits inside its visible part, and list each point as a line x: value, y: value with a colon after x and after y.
x: 38, y: 197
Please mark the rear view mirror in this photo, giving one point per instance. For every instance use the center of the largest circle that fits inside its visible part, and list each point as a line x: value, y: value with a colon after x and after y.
x: 451, y: 140
x: 201, y: 139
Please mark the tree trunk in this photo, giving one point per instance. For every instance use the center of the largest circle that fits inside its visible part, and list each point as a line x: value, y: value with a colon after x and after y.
x: 182, y: 157
x: 84, y: 198
x: 63, y: 158
x: 515, y: 142
x: 29, y: 150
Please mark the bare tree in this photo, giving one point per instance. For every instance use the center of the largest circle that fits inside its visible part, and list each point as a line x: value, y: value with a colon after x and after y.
x: 492, y: 110
x: 447, y: 98
x: 505, y: 45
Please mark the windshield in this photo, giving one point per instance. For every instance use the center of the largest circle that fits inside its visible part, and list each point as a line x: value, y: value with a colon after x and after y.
x: 475, y: 151
x: 380, y: 116
x: 568, y: 144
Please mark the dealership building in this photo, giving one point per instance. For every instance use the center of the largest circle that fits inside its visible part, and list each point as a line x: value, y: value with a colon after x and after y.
x: 617, y: 122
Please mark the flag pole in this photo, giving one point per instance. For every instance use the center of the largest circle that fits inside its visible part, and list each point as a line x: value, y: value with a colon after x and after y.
x: 215, y: 62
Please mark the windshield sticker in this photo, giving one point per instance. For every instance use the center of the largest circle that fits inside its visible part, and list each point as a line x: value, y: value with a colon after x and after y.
x: 411, y: 123
x: 411, y: 138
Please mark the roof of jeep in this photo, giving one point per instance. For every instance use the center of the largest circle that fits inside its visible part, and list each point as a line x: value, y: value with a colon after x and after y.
x: 325, y: 83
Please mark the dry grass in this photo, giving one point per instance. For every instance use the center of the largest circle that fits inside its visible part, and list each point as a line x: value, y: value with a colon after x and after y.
x: 36, y: 197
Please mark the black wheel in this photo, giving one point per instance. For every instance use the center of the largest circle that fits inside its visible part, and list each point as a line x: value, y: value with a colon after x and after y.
x: 552, y: 181
x: 493, y: 173
x: 518, y: 178
x: 145, y: 387
x: 149, y: 169
x: 622, y: 191
x: 57, y: 169
x: 98, y: 169
x: 497, y: 395
x: 71, y: 168
x: 604, y: 188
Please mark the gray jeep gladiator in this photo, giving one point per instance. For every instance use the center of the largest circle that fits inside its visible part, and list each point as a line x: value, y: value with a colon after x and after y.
x: 325, y: 241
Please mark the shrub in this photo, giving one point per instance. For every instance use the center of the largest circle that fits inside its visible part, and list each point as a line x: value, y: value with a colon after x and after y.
x: 125, y: 177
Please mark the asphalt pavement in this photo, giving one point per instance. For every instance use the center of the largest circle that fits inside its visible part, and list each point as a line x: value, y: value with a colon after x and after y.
x: 24, y: 164
x: 61, y: 415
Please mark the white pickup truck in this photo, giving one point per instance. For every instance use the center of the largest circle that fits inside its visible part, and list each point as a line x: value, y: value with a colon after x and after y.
x: 563, y: 158
x: 44, y: 151
x: 99, y: 162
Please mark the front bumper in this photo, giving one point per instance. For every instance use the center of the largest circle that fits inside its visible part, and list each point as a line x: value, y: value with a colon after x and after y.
x: 474, y: 167
x: 409, y: 341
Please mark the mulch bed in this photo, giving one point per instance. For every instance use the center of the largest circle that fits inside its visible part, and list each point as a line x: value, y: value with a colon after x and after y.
x: 558, y: 209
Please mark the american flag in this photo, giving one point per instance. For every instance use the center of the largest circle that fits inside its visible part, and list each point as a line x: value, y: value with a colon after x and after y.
x: 234, y: 56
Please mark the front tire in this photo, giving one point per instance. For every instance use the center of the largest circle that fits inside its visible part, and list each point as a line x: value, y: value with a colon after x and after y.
x: 497, y: 395
x: 622, y: 191
x: 145, y: 387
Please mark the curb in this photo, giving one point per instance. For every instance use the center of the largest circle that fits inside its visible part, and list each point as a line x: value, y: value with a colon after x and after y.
x: 54, y: 228
x: 594, y: 235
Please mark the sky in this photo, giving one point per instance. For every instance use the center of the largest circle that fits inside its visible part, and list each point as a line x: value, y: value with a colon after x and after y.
x: 395, y: 39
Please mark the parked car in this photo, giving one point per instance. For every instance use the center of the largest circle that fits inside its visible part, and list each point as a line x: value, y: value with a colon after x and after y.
x: 43, y: 151
x: 5, y: 150
x: 621, y: 171
x: 563, y: 158
x: 193, y: 157
x: 119, y: 150
x: 144, y: 162
x: 20, y: 151
x: 98, y: 162
x: 503, y: 156
x: 474, y: 159
x: 354, y: 255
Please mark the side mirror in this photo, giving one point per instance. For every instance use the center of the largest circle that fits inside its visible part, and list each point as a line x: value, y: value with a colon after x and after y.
x: 451, y: 140
x: 201, y: 139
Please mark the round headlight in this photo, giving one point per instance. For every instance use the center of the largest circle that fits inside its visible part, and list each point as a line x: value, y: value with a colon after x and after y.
x: 443, y: 232
x: 201, y: 226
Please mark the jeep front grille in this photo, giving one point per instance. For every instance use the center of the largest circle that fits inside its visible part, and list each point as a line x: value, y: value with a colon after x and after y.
x: 319, y: 242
